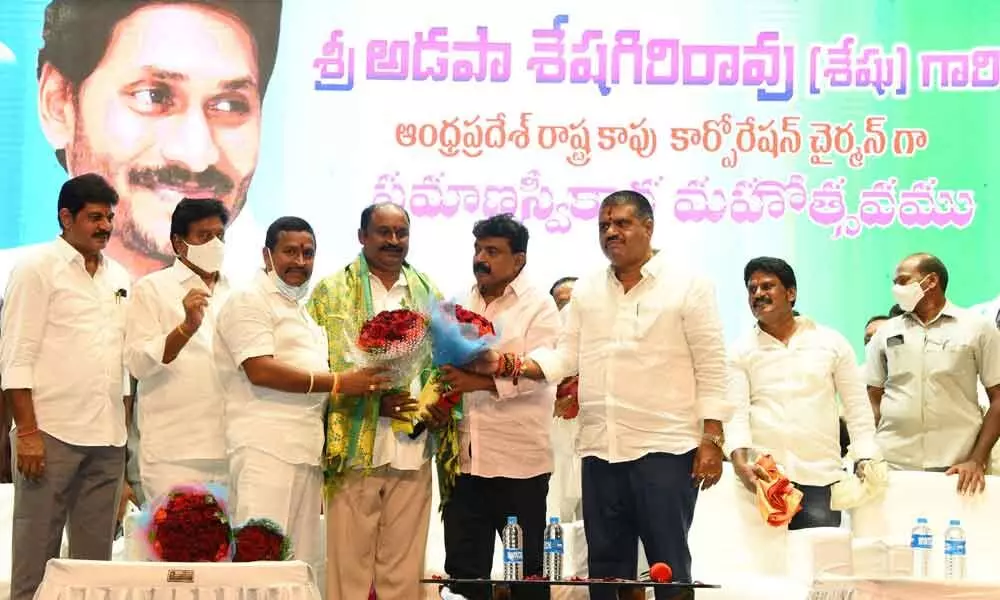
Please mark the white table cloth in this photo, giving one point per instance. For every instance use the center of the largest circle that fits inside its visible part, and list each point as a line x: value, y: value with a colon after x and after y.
x: 95, y: 580
x: 850, y: 588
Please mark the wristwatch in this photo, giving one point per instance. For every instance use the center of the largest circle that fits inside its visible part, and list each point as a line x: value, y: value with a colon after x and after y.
x: 718, y: 440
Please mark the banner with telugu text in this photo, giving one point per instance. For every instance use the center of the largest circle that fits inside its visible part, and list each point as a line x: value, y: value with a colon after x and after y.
x: 840, y: 136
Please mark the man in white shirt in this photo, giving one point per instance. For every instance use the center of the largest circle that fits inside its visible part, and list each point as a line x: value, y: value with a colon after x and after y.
x: 922, y: 368
x: 785, y: 376
x: 506, y: 453
x: 272, y: 361
x: 646, y: 339
x: 61, y: 358
x: 169, y: 340
x: 378, y: 479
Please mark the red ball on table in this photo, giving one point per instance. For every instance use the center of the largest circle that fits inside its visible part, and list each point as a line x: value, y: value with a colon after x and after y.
x: 661, y: 573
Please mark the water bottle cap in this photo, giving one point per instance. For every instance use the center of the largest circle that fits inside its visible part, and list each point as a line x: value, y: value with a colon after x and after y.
x: 554, y: 520
x: 512, y: 520
x: 922, y: 520
x: 954, y: 523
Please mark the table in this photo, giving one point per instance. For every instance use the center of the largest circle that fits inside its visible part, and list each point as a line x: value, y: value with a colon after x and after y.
x: 98, y: 580
x: 901, y: 588
x: 501, y: 584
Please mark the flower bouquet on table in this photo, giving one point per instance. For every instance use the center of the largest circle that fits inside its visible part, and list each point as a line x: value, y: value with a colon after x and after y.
x: 189, y: 524
x: 777, y: 499
x: 261, y: 539
x: 396, y: 340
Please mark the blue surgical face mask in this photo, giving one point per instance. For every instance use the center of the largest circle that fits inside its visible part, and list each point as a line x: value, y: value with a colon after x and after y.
x: 295, y: 293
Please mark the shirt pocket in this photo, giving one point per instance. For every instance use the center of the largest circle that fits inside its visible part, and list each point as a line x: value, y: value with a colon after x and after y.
x: 957, y: 361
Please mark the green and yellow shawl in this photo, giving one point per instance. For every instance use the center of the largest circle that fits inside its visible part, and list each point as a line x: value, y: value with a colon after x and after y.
x: 341, y: 303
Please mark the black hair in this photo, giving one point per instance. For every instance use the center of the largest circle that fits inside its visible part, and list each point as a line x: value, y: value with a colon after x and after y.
x: 877, y: 318
x: 369, y: 212
x: 283, y: 224
x: 928, y: 263
x: 643, y: 209
x: 503, y: 226
x: 189, y: 211
x: 772, y: 266
x: 76, y: 34
x: 895, y: 310
x: 83, y: 189
x: 559, y: 282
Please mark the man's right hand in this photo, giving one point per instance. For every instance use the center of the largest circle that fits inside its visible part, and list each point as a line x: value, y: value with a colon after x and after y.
x: 749, y: 473
x: 486, y: 363
x: 31, y: 455
x: 364, y: 381
x: 195, y: 302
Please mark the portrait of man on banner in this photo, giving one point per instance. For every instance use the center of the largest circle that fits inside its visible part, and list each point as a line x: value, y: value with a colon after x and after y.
x: 162, y: 99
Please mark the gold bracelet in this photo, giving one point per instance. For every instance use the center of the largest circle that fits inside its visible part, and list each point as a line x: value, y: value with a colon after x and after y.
x: 336, y: 383
x: 180, y: 330
x: 312, y: 382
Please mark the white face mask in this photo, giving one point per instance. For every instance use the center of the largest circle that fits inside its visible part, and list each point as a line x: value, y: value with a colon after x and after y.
x: 909, y: 295
x: 208, y: 256
x: 295, y: 293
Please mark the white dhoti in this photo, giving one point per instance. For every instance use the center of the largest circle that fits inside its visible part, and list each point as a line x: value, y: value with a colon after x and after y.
x: 564, y: 488
x: 266, y: 487
x: 160, y: 477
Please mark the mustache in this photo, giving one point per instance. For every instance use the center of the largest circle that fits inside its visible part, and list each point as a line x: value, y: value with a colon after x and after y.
x: 613, y: 239
x: 481, y: 268
x: 762, y: 301
x: 102, y: 235
x: 177, y: 176
x: 391, y: 248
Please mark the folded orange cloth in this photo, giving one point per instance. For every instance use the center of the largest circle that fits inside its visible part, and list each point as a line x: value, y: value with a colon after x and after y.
x: 777, y: 499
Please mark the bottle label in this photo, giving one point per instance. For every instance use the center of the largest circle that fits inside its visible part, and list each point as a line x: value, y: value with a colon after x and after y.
x: 513, y: 556
x: 921, y: 541
x: 553, y: 546
x: 954, y: 547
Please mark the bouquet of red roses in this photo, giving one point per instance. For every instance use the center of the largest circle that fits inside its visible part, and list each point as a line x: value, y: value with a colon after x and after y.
x: 189, y: 525
x: 396, y: 340
x: 261, y: 539
x: 458, y: 336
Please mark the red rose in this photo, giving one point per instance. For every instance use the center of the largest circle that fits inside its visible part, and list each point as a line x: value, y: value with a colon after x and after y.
x: 190, y: 527
x: 260, y: 539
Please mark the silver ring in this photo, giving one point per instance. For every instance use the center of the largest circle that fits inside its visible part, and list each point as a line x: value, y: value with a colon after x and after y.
x: 396, y: 409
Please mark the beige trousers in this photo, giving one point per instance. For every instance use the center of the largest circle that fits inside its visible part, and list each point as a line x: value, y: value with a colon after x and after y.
x: 376, y: 531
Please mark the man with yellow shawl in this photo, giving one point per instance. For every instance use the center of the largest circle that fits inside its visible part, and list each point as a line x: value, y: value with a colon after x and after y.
x: 378, y: 476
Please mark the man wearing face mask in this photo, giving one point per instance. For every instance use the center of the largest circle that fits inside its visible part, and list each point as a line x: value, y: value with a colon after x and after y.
x: 379, y: 480
x: 169, y: 340
x: 922, y: 368
x: 506, y: 453
x: 272, y: 362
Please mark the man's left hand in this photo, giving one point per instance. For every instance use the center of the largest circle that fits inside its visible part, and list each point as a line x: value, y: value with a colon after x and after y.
x: 707, y: 465
x: 971, y: 477
x: 463, y: 382
x: 127, y: 496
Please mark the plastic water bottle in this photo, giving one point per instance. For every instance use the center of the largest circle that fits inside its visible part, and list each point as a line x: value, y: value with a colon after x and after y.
x: 513, y: 551
x: 922, y: 543
x: 954, y: 550
x: 552, y: 567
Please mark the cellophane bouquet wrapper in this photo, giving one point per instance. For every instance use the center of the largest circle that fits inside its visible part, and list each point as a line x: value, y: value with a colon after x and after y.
x: 458, y: 337
x: 398, y: 341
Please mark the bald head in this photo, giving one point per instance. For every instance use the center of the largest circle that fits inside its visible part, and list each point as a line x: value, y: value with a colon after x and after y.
x: 922, y: 266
